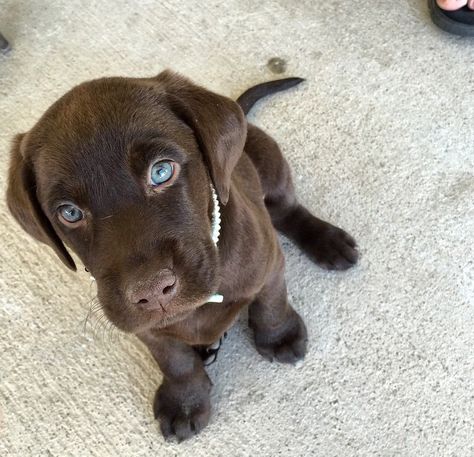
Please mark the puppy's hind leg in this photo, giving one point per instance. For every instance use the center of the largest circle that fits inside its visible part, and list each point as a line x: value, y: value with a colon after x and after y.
x: 327, y: 245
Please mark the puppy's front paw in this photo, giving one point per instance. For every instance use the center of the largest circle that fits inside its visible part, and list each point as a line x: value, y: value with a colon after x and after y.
x: 332, y: 248
x: 285, y: 344
x: 183, y: 408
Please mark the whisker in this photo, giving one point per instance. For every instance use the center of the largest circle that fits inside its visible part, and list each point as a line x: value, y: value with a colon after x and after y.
x: 102, y: 328
x: 113, y: 334
x: 100, y: 320
x: 105, y: 335
x: 91, y: 304
x: 86, y: 320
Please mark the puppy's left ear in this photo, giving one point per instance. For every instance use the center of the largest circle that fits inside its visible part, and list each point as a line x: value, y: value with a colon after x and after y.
x: 218, y: 123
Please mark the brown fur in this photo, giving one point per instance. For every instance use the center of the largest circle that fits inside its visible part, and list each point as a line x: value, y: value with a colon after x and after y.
x: 93, y: 147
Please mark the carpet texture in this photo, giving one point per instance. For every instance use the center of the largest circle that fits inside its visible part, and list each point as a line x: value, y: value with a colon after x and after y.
x: 380, y: 140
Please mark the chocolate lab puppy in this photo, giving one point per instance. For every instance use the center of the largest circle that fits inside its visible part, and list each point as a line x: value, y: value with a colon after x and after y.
x: 171, y: 199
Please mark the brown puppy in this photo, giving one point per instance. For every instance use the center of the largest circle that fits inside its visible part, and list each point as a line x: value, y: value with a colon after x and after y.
x: 122, y: 171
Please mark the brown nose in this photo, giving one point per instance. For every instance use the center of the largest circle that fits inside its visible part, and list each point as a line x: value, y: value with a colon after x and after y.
x: 156, y: 292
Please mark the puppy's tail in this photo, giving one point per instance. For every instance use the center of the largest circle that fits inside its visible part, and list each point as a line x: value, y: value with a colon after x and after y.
x: 255, y: 93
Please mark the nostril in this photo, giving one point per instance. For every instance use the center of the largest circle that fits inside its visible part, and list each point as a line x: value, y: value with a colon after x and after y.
x: 142, y: 301
x: 168, y: 289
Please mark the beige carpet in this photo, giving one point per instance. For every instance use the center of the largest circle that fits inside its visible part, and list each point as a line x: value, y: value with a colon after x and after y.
x: 380, y: 139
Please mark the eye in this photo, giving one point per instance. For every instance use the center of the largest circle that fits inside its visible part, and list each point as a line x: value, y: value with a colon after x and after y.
x: 70, y: 214
x: 161, y: 172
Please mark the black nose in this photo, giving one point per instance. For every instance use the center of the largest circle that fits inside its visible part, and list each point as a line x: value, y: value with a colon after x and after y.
x: 156, y: 292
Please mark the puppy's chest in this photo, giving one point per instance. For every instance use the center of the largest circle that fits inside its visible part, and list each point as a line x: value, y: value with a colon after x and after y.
x: 208, y: 323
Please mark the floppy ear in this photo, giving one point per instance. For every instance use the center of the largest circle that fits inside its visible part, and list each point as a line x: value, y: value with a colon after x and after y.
x: 218, y: 123
x: 24, y: 205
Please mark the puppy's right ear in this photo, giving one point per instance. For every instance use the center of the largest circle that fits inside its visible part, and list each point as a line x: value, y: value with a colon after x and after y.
x: 24, y: 205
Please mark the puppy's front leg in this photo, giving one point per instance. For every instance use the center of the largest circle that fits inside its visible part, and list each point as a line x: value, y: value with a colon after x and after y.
x: 279, y: 332
x: 182, y: 402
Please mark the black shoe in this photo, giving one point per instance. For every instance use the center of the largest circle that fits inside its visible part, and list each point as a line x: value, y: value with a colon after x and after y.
x: 459, y: 22
x: 4, y: 45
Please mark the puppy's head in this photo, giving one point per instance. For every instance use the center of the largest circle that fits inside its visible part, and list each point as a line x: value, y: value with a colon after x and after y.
x: 120, y: 171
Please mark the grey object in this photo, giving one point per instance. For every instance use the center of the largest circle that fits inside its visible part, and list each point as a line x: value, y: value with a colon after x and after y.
x: 276, y: 65
x: 4, y: 44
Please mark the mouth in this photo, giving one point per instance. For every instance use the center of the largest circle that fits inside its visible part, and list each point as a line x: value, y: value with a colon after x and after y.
x: 161, y: 318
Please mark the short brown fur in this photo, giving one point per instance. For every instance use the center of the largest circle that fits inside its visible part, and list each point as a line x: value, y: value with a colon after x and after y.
x: 93, y: 147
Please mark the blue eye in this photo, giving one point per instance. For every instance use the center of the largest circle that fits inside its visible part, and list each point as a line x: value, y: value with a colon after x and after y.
x: 71, y: 213
x: 161, y: 172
